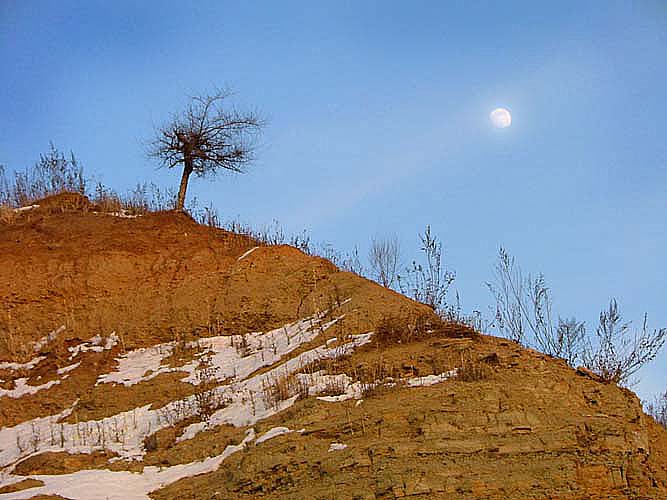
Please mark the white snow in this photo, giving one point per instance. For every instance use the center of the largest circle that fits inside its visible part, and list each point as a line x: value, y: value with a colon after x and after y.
x: 332, y: 447
x: 430, y: 379
x: 21, y: 366
x: 229, y: 357
x: 244, y: 401
x: 139, y: 365
x: 244, y: 396
x: 67, y: 369
x: 21, y: 388
x: 271, y: 433
x: 17, y: 438
x: 237, y: 357
x: 94, y: 344
x: 26, y: 208
x: 320, y: 382
x: 247, y: 253
x: 102, y: 484
x: 123, y: 214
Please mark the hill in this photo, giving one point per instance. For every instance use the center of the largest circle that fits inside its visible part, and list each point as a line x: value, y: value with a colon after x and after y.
x: 152, y: 357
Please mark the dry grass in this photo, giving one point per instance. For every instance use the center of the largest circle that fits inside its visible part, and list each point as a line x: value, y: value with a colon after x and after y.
x: 21, y: 485
x: 413, y: 327
x: 7, y: 215
x: 108, y: 202
x: 281, y: 387
x: 658, y: 409
x: 374, y: 374
x: 11, y: 344
x: 334, y: 387
x: 472, y: 368
x: 207, y: 399
x: 167, y: 451
x: 62, y: 462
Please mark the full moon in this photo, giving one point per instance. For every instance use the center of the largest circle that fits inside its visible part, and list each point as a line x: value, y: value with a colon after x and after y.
x: 501, y: 118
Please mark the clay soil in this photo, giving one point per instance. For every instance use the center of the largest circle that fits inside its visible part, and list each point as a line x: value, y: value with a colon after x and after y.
x: 515, y: 424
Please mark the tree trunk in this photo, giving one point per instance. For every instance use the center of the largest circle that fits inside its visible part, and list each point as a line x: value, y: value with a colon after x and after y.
x: 187, y: 170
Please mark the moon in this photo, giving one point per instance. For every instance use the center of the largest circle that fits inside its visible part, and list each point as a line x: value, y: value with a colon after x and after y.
x: 501, y: 118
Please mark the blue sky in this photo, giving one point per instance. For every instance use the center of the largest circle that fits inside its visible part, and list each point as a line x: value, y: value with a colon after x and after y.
x: 378, y: 125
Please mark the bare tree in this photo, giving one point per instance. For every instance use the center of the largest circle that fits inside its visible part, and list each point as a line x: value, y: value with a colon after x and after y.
x: 206, y: 137
x: 384, y: 260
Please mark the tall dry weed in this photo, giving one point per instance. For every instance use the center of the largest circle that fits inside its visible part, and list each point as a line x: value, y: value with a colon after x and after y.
x: 7, y: 215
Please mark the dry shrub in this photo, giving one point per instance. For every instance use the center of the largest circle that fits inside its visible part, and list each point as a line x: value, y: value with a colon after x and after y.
x: 658, y: 409
x: 53, y: 173
x: 373, y: 379
x: 140, y: 200
x: 334, y: 387
x: 377, y: 370
x: 406, y: 328
x: 11, y: 343
x: 207, y: 398
x: 331, y: 366
x: 7, y: 215
x: 237, y: 243
x: 298, y: 386
x: 281, y: 387
x: 64, y: 201
x: 108, y: 202
x: 151, y: 442
x: 375, y: 375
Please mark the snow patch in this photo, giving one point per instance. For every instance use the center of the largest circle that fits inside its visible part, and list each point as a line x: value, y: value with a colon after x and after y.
x: 247, y: 253
x: 21, y: 366
x: 22, y: 388
x: 430, y: 379
x: 246, y: 402
x: 337, y: 447
x: 227, y: 357
x: 271, y: 433
x: 94, y: 344
x: 123, y: 214
x: 139, y: 365
x: 67, y: 369
x: 26, y: 208
x: 242, y: 400
x: 103, y: 484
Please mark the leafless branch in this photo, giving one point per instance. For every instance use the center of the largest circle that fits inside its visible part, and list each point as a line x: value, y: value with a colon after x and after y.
x: 384, y: 260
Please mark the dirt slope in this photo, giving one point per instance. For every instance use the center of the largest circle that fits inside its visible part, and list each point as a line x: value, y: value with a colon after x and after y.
x: 172, y: 276
x: 445, y: 413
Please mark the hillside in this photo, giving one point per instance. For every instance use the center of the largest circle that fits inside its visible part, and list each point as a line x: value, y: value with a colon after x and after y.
x: 152, y: 357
